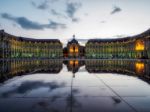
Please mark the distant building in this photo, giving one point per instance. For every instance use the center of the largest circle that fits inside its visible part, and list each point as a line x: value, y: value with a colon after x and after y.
x: 74, y: 49
x: 20, y: 47
x: 135, y: 47
x: 139, y: 68
x: 73, y: 65
x: 129, y: 47
x: 13, y: 68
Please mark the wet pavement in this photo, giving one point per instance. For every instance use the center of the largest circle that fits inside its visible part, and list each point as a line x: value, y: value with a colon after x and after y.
x: 80, y: 92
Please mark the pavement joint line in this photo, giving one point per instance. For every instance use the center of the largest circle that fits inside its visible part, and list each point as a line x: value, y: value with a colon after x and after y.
x: 116, y: 93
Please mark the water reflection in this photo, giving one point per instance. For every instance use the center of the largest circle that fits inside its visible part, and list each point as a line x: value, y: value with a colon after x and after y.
x: 29, y: 86
x: 128, y: 67
x: 12, y: 68
x: 58, y: 88
x: 140, y: 67
x: 73, y: 65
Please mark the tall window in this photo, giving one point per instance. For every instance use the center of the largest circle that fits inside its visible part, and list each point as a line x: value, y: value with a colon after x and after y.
x: 71, y: 49
x: 139, y: 46
x: 76, y: 49
x: 139, y: 66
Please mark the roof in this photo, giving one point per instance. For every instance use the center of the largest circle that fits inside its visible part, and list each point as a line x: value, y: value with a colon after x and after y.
x: 139, y: 36
x: 29, y: 39
x: 73, y: 40
x: 38, y: 40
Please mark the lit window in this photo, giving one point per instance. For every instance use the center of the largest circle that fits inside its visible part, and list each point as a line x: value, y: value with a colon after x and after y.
x: 139, y: 66
x: 76, y: 49
x: 71, y: 62
x: 139, y: 45
x: 71, y: 50
x: 76, y: 62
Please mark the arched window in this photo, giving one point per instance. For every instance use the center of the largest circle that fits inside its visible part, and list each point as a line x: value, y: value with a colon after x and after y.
x: 71, y: 49
x: 76, y: 49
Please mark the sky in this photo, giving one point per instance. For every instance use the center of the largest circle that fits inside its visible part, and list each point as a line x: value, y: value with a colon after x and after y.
x: 61, y: 19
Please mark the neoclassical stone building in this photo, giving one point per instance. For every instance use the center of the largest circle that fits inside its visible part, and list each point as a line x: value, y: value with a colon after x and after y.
x: 129, y: 47
x: 128, y: 67
x: 13, y: 68
x: 135, y: 47
x: 21, y: 47
x: 74, y: 49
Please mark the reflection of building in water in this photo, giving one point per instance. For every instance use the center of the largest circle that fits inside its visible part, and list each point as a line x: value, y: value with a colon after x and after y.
x: 20, y: 47
x: 131, y: 67
x: 74, y: 49
x: 73, y: 65
x: 130, y: 47
x: 139, y: 67
x: 21, y: 67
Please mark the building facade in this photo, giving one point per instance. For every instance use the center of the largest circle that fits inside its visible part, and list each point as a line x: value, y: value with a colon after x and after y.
x: 73, y: 65
x: 73, y: 49
x: 129, y: 47
x: 20, y: 47
x: 135, y: 47
x: 139, y: 68
x: 13, y: 68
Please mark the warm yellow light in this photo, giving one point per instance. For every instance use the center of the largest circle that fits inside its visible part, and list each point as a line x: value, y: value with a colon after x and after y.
x: 139, y: 66
x: 76, y: 62
x: 139, y: 45
x: 71, y: 62
x: 76, y: 49
x: 71, y: 50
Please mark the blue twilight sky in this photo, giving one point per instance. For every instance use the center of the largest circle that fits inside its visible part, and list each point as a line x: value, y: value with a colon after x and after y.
x: 84, y: 18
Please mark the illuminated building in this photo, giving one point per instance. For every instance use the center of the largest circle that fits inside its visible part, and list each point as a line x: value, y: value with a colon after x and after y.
x: 20, y: 47
x: 12, y: 68
x: 73, y: 65
x: 139, y: 68
x: 135, y: 47
x: 129, y: 47
x: 74, y: 49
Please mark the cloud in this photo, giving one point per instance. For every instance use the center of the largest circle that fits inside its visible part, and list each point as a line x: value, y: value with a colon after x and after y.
x: 86, y: 14
x: 116, y: 9
x: 28, y: 86
x: 120, y: 36
x: 103, y: 21
x: 0, y: 25
x: 75, y: 19
x: 31, y: 25
x: 43, y: 5
x: 72, y: 8
x: 55, y: 13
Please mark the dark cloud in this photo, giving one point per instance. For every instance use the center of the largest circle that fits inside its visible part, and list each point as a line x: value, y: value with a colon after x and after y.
x: 28, y: 86
x: 103, y: 21
x: 116, y: 9
x: 28, y: 24
x: 55, y: 13
x: 75, y: 19
x: 72, y: 9
x: 43, y: 5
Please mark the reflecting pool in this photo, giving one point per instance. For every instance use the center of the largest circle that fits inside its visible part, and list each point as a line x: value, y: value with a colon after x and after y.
x: 85, y: 85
